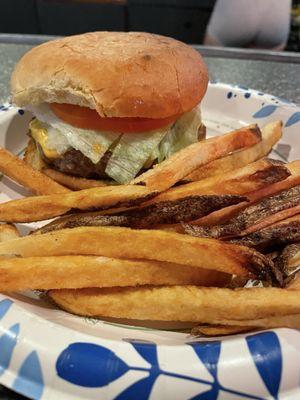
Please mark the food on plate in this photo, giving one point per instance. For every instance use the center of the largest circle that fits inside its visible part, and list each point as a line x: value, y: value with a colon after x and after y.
x: 164, y: 212
x: 62, y: 272
x: 255, y: 217
x: 19, y: 171
x: 145, y: 244
x: 8, y: 232
x: 38, y: 208
x: 179, y: 303
x: 227, y: 213
x: 240, y: 181
x: 152, y: 220
x: 271, y: 134
x: 109, y: 105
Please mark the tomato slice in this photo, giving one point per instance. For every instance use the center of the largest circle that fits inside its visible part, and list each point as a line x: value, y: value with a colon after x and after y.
x: 83, y: 117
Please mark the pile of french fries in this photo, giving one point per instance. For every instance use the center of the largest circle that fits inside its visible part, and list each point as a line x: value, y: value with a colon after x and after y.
x: 210, y: 237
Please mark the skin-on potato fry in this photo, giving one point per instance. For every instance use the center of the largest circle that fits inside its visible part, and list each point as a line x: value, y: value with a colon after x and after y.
x: 175, y: 168
x: 283, y: 232
x: 225, y: 214
x: 218, y: 330
x: 63, y: 272
x: 284, y: 321
x: 179, y: 303
x: 8, y: 232
x: 38, y: 208
x: 288, y: 261
x: 240, y: 181
x: 73, y: 182
x: 271, y: 134
x: 157, y: 245
x: 255, y: 217
x: 19, y: 171
x: 166, y: 212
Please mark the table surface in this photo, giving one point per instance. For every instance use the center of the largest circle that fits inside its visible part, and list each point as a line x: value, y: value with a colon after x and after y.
x: 269, y: 72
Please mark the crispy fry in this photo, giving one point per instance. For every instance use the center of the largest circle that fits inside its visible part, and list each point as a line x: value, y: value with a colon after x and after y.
x: 288, y: 262
x: 271, y: 133
x: 180, y: 164
x: 32, y: 156
x: 22, y: 173
x: 295, y: 283
x: 39, y: 208
x: 166, y: 212
x: 143, y: 244
x: 243, y: 180
x: 283, y: 321
x: 179, y: 303
x: 255, y: 217
x: 223, y: 215
x: 8, y: 232
x: 73, y: 182
x: 63, y: 272
x: 294, y: 167
x: 218, y: 330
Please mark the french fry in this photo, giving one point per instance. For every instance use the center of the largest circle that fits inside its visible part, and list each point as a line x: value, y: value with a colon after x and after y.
x: 157, y: 245
x: 255, y: 217
x: 180, y: 303
x: 283, y: 321
x: 294, y: 167
x: 38, y: 208
x: 19, y: 171
x: 8, y: 232
x: 18, y: 274
x: 164, y: 175
x: 73, y: 182
x: 271, y: 134
x: 223, y: 215
x: 218, y: 330
x: 295, y: 283
x: 167, y: 212
x: 240, y: 181
x: 281, y: 233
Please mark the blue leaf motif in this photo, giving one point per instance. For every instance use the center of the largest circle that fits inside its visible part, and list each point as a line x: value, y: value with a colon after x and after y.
x: 294, y: 118
x: 30, y: 381
x: 140, y: 390
x: 265, y: 111
x: 8, y: 342
x: 4, y: 307
x: 211, y: 394
x: 89, y: 365
x: 266, y: 353
x: 146, y: 349
x: 209, y: 353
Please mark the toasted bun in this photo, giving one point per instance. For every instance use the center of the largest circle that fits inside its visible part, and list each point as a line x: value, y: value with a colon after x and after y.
x: 118, y: 74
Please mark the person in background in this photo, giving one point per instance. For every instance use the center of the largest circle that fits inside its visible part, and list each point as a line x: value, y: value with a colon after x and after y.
x: 261, y: 24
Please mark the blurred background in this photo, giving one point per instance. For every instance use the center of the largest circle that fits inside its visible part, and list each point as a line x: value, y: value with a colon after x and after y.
x: 271, y: 24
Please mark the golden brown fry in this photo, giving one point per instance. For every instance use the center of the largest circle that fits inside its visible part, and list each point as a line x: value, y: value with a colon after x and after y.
x: 8, y: 232
x: 180, y: 164
x: 283, y: 321
x: 240, y: 181
x: 179, y: 303
x: 63, y: 272
x: 129, y: 243
x: 22, y: 173
x: 32, y: 156
x: 73, y: 182
x: 39, y: 208
x: 295, y: 283
x: 223, y: 215
x: 219, y: 330
x: 294, y: 167
x: 271, y: 133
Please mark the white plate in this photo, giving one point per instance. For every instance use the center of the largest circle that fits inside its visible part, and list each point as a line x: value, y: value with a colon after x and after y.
x: 49, y: 354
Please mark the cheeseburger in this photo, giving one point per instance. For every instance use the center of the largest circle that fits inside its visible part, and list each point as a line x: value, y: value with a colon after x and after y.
x: 110, y: 105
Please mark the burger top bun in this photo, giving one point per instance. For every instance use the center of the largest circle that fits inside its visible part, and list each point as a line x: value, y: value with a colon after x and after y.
x: 118, y: 74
